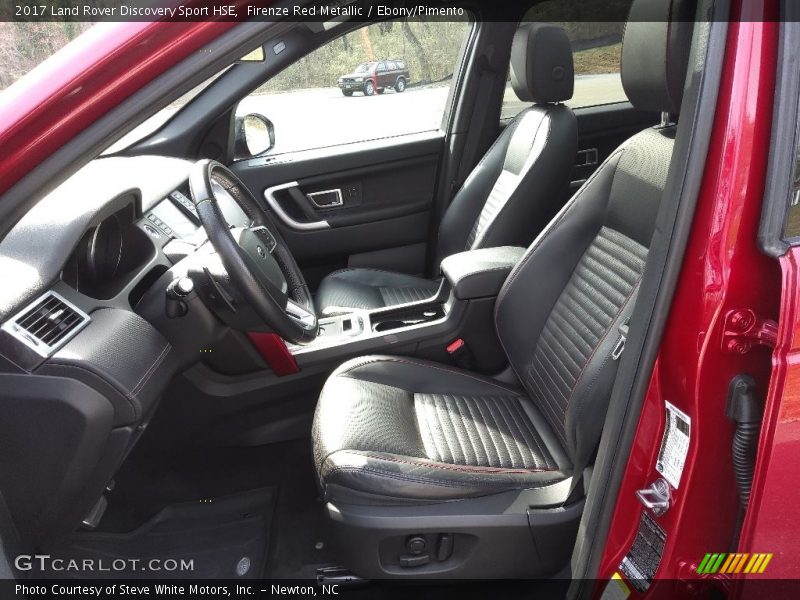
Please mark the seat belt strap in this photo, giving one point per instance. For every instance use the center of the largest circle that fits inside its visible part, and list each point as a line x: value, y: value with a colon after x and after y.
x: 580, y: 467
x: 584, y: 452
x: 471, y: 154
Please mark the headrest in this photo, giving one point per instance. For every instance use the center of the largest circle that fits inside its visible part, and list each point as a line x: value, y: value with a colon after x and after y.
x: 541, y: 63
x: 655, y: 53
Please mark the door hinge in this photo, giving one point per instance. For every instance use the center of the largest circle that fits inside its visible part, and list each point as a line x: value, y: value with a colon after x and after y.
x: 743, y: 329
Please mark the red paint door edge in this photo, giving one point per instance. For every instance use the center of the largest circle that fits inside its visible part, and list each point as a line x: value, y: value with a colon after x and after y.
x: 723, y: 270
x: 771, y: 521
x: 64, y: 95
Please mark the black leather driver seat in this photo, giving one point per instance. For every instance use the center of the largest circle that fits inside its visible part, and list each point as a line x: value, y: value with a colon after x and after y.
x: 408, y: 447
x: 512, y: 191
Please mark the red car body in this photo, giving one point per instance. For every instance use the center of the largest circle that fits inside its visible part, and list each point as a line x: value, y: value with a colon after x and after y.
x: 723, y: 271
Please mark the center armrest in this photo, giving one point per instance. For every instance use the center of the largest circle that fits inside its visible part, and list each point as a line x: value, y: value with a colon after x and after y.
x: 480, y: 273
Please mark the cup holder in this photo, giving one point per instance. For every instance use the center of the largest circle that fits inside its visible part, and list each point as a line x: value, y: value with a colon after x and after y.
x: 406, y: 317
x: 387, y: 325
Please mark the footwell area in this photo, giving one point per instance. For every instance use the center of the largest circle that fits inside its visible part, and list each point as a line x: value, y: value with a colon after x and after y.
x: 220, y: 504
x: 226, y: 537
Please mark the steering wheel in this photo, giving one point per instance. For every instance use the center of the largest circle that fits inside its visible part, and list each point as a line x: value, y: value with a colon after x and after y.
x: 256, y: 258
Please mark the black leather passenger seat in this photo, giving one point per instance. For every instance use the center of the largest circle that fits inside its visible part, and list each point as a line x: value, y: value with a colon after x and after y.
x: 454, y: 451
x: 509, y: 195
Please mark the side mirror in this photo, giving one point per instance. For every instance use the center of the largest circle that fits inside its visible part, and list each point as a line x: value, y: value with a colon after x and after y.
x: 254, y: 135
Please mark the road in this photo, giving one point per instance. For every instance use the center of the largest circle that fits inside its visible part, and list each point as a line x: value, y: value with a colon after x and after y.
x: 321, y: 117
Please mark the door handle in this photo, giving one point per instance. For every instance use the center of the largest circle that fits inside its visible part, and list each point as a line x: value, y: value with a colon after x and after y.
x: 326, y: 198
x: 304, y: 202
x: 293, y: 189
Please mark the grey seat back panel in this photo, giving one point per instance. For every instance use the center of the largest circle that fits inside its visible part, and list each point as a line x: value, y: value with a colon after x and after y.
x: 515, y: 188
x: 578, y: 281
x: 528, y: 139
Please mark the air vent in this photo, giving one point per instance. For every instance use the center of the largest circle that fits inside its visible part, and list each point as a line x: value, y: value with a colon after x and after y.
x: 47, y: 324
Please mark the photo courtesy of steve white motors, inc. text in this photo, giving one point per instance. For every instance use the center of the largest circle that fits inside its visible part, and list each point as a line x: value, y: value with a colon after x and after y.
x: 170, y: 590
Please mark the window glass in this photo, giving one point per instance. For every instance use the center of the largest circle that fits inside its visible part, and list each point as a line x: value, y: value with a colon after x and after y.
x: 158, y: 120
x: 596, y: 51
x: 23, y: 46
x: 792, y: 230
x: 343, y: 92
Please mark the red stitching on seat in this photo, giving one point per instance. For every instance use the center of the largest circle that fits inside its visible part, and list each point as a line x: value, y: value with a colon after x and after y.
x: 449, y: 467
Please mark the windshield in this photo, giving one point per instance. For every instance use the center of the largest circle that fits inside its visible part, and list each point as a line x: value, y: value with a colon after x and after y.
x: 362, y: 68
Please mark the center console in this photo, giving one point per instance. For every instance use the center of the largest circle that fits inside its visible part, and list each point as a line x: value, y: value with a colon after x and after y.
x: 462, y: 308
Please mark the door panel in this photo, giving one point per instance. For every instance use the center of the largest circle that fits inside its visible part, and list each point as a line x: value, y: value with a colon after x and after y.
x: 370, y: 201
x: 601, y: 129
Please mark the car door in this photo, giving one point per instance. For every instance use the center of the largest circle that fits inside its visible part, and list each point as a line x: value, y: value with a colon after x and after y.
x: 382, y: 76
x: 391, y: 73
x: 352, y: 180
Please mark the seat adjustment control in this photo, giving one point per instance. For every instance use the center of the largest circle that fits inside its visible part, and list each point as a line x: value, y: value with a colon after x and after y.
x: 416, y: 545
x: 445, y: 546
x: 406, y: 560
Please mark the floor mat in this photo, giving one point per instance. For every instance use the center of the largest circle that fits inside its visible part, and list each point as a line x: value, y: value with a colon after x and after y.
x: 150, y: 481
x: 225, y: 537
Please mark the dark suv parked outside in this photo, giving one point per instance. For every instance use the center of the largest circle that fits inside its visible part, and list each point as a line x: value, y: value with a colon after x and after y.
x: 375, y: 76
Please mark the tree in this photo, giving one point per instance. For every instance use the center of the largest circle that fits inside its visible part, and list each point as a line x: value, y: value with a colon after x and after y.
x: 366, y: 44
x: 420, y: 51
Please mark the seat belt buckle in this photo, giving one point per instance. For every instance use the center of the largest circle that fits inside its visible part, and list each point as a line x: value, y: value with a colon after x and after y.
x: 461, y: 354
x: 619, y: 347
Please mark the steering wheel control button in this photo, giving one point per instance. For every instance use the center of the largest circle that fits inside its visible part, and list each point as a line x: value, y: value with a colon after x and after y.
x: 263, y: 234
x: 181, y: 200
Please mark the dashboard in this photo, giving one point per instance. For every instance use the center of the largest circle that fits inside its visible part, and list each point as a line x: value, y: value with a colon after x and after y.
x: 74, y: 344
x: 105, y: 228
